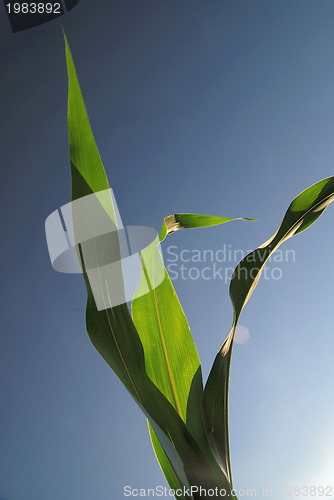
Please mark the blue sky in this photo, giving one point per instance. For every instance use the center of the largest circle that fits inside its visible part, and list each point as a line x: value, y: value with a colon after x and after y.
x: 222, y: 108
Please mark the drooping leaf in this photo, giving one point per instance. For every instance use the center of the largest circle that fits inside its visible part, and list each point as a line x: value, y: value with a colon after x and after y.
x: 176, y: 222
x: 302, y: 212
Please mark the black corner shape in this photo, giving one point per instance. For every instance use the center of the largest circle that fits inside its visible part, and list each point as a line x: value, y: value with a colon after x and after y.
x: 26, y: 14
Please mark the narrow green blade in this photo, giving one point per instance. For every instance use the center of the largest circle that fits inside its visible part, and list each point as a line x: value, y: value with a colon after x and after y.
x: 165, y: 464
x: 302, y: 212
x: 84, y: 155
x: 176, y: 222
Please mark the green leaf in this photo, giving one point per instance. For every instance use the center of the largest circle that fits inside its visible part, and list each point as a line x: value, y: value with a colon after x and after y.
x: 302, y: 212
x: 171, y: 357
x: 175, y: 222
x: 112, y: 330
x: 84, y: 155
x: 172, y: 361
x: 165, y: 463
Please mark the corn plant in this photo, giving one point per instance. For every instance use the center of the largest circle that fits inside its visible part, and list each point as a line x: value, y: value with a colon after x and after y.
x: 150, y: 347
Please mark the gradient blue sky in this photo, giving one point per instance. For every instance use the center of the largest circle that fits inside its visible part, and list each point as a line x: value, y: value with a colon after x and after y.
x: 218, y: 107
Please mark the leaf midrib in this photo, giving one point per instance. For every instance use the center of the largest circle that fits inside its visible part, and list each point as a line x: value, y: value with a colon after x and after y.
x: 162, y: 338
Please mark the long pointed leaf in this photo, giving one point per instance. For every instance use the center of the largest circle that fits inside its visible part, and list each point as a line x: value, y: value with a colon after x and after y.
x: 302, y: 212
x: 112, y: 330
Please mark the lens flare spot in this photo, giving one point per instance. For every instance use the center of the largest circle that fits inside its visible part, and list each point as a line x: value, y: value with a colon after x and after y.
x: 241, y: 334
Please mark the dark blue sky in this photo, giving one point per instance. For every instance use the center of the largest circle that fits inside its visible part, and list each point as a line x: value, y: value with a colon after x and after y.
x: 218, y: 107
